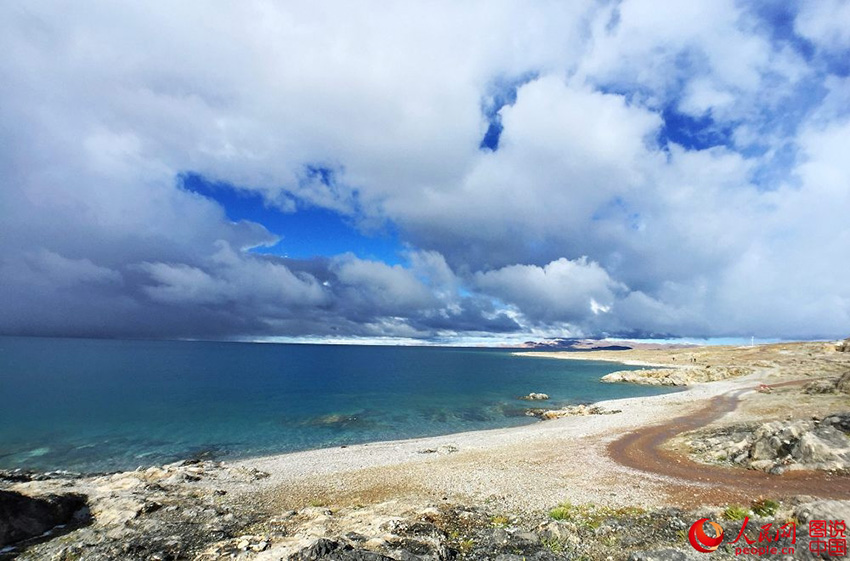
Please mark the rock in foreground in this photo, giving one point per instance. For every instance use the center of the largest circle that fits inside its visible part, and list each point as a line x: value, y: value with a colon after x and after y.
x: 163, y: 513
x: 23, y: 517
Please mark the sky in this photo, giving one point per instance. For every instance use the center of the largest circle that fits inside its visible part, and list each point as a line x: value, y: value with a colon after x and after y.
x: 425, y: 171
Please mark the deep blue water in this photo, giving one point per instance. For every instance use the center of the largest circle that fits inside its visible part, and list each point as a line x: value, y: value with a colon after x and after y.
x: 100, y: 405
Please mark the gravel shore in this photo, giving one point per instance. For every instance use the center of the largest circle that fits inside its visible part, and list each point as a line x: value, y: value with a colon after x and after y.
x: 527, y: 468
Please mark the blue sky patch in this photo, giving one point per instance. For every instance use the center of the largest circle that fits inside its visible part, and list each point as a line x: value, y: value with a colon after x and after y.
x: 307, y: 232
x: 778, y: 19
x: 694, y: 133
x: 502, y: 92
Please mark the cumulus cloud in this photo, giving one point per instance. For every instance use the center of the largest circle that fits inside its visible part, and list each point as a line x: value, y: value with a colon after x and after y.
x: 674, y: 172
x: 561, y: 291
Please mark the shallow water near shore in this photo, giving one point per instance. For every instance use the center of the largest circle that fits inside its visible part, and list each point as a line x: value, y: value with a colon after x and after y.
x: 101, y: 405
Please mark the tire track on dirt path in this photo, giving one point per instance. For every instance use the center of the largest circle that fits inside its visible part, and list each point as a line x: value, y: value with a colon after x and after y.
x: 643, y: 450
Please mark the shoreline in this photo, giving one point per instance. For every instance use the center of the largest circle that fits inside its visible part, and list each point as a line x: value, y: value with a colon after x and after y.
x: 566, y: 355
x: 521, y: 466
x: 429, y: 441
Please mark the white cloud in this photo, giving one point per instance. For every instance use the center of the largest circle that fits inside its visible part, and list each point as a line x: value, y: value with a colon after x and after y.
x: 561, y: 291
x: 378, y: 287
x: 825, y: 23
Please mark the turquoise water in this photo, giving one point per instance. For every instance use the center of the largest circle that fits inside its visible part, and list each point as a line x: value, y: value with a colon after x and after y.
x: 101, y: 405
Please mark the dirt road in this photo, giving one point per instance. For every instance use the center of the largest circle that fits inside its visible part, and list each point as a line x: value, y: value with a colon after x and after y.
x: 643, y: 450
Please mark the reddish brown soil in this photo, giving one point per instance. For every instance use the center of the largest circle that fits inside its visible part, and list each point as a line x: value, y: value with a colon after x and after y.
x: 700, y: 483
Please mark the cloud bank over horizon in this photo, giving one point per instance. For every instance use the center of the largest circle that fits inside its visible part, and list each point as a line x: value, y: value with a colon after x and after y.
x: 541, y: 170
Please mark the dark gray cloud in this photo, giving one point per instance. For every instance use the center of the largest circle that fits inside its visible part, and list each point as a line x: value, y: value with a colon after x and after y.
x: 596, y: 215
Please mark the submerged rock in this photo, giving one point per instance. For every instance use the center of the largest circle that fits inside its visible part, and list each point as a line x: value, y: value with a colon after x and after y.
x: 535, y: 397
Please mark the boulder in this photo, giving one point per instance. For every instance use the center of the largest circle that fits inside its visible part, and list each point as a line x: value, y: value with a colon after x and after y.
x: 843, y: 346
x: 23, y: 517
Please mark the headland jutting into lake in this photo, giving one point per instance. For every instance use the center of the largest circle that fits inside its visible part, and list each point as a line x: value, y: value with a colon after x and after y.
x: 760, y: 432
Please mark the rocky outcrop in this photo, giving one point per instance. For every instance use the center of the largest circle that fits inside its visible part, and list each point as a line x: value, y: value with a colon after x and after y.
x: 780, y: 445
x: 676, y: 376
x: 843, y: 346
x: 167, y: 512
x: 23, y: 517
